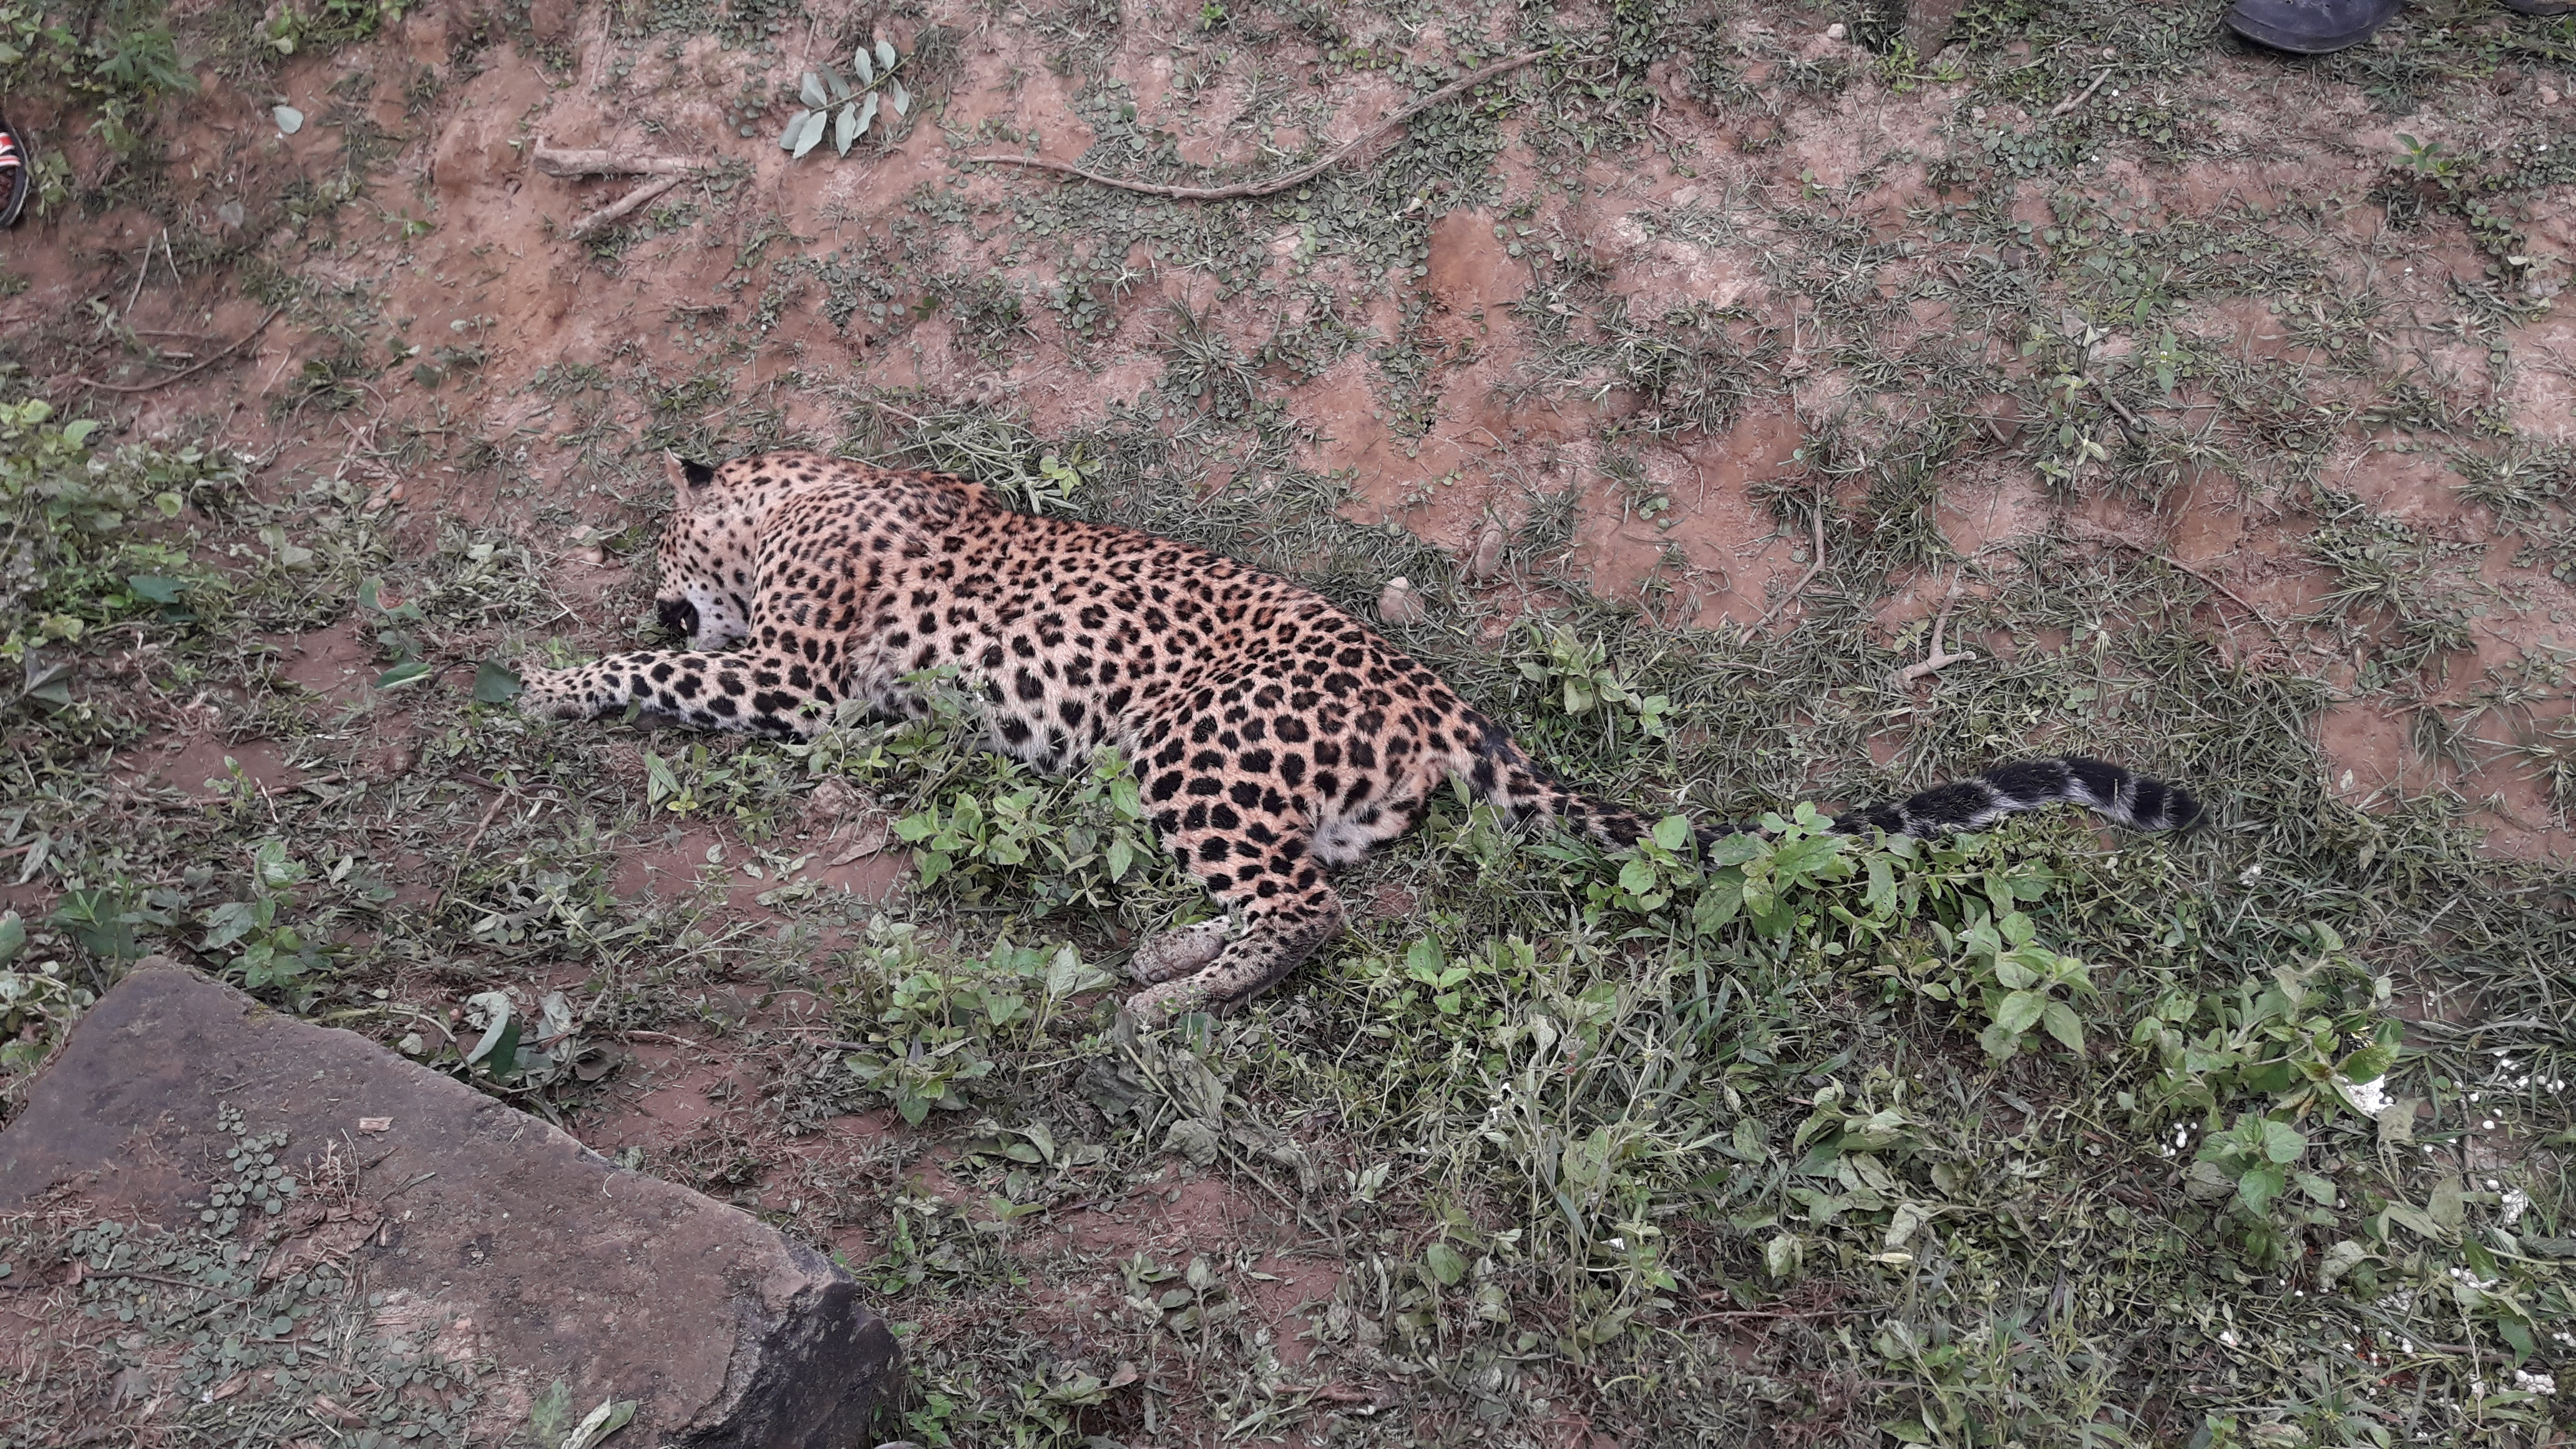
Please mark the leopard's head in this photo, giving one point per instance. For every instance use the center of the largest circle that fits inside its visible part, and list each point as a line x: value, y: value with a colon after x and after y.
x: 709, y: 557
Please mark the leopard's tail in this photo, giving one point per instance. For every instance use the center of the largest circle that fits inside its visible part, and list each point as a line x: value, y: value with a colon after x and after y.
x: 1501, y: 772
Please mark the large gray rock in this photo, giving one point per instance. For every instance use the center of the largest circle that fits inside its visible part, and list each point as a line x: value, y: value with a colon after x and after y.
x: 550, y: 1258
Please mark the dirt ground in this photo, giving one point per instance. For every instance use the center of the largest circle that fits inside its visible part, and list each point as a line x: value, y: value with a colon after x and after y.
x: 2093, y: 331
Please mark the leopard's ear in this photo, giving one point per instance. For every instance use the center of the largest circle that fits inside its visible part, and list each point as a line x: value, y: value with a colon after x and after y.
x: 686, y: 478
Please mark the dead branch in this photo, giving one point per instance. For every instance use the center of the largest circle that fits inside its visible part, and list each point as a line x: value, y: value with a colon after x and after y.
x: 556, y: 161
x: 616, y: 211
x: 1938, y: 659
x: 1289, y: 180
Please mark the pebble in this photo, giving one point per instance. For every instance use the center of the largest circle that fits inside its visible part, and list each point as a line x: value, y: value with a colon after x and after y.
x: 1835, y: 31
x: 2548, y: 95
x: 1486, y: 560
x: 1399, y: 604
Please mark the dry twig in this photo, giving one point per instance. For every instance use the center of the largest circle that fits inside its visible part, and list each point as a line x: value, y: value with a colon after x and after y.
x: 1813, y: 569
x: 185, y: 371
x: 1244, y: 189
x: 556, y: 161
x: 1937, y: 660
x: 2080, y: 97
x: 2142, y: 551
x: 616, y: 211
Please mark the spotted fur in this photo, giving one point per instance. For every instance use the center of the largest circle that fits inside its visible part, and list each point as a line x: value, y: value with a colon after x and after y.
x: 1274, y: 735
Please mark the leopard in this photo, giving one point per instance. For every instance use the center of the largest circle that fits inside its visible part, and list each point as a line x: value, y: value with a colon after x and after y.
x: 1275, y: 737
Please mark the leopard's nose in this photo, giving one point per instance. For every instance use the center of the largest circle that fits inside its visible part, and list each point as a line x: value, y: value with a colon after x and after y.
x: 679, y: 617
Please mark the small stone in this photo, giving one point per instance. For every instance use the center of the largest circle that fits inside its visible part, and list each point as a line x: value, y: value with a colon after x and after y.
x: 1835, y: 31
x: 2548, y: 95
x: 1486, y: 560
x: 1399, y: 604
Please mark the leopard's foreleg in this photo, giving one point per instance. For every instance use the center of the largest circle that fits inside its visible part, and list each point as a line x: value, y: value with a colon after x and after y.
x: 765, y: 694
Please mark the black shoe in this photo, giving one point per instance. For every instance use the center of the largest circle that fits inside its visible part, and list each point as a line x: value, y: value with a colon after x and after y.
x: 17, y: 174
x: 2312, y: 27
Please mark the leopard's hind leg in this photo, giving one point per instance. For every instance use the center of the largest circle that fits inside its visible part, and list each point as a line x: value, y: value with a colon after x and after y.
x: 1289, y: 911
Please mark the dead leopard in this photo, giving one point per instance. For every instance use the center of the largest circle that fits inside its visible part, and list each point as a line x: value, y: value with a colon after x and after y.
x: 1274, y: 735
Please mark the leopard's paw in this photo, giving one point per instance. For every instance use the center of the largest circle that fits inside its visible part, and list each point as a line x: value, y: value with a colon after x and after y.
x: 1171, y: 955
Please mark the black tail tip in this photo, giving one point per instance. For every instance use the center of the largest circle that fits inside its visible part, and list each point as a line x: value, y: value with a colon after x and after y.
x: 2155, y: 805
x: 2182, y: 808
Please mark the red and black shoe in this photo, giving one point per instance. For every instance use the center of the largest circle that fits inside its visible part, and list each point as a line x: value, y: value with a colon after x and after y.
x: 17, y: 174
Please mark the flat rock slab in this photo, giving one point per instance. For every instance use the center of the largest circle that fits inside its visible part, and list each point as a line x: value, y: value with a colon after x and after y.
x: 505, y: 1238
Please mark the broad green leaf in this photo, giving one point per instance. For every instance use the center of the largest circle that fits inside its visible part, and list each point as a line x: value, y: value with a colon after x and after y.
x: 154, y: 588
x: 599, y: 1423
x: 2060, y: 1020
x: 2020, y: 1011
x: 861, y: 62
x: 885, y: 53
x: 2282, y: 1142
x: 867, y: 112
x: 841, y: 89
x: 1882, y: 886
x: 811, y: 91
x: 2447, y: 1207
x: 898, y: 97
x: 494, y: 683
x: 13, y: 937
x: 1423, y: 960
x: 2515, y: 1332
x: 1782, y: 1256
x: 2415, y: 1219
x: 498, y: 1004
x: 1445, y: 1263
x: 795, y: 128
x: 2339, y: 1260
x: 504, y: 1060
x: 2368, y: 1064
x: 845, y: 129
x: 1999, y: 1043
x: 1672, y: 832
x: 2259, y: 1186
x: 1737, y: 850
x: 401, y: 674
